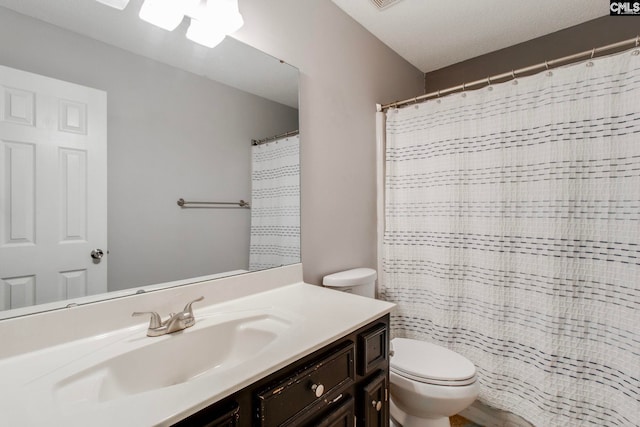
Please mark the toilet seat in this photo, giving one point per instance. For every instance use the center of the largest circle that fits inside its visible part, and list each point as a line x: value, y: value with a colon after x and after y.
x: 430, y: 363
x: 451, y: 383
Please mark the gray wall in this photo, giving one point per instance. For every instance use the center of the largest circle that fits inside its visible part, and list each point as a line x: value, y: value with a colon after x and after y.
x: 171, y: 134
x: 345, y: 71
x: 598, y: 32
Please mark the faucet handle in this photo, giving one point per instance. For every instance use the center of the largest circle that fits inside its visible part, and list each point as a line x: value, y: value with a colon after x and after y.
x: 188, y: 309
x: 154, y: 322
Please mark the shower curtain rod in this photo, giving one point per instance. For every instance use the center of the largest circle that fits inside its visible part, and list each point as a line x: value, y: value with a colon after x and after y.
x: 587, y: 54
x: 273, y: 138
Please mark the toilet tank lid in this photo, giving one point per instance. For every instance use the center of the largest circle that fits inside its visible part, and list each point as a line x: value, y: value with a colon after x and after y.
x: 353, y: 277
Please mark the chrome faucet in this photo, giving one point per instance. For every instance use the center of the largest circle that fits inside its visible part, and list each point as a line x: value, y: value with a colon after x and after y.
x: 175, y: 322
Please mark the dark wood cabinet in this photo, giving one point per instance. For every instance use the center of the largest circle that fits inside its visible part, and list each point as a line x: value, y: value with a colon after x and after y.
x: 344, y: 384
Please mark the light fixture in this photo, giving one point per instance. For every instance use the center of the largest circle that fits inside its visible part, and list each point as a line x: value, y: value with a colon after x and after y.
x: 116, y: 4
x: 211, y: 20
x: 166, y: 14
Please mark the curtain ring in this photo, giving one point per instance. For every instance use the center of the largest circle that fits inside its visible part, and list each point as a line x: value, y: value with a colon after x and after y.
x: 546, y: 64
x: 637, y: 40
x: 489, y: 83
x: 513, y: 74
x: 593, y: 52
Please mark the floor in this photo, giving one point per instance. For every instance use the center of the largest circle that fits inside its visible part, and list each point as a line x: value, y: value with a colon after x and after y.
x: 458, y: 421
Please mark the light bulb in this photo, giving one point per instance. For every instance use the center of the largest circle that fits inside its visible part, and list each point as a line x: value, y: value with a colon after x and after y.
x: 166, y: 14
x: 204, y: 33
x: 223, y: 14
x: 231, y: 12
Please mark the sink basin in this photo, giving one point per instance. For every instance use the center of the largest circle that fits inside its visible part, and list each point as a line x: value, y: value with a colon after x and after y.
x: 155, y: 363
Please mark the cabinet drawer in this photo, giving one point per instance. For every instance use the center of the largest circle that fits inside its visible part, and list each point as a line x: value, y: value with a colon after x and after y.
x: 372, y: 348
x: 287, y: 400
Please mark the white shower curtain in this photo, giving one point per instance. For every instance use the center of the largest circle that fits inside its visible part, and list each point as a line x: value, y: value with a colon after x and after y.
x: 275, y: 204
x: 512, y: 236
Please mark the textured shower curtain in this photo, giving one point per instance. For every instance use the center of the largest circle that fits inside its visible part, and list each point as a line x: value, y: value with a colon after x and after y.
x: 275, y: 204
x: 512, y: 236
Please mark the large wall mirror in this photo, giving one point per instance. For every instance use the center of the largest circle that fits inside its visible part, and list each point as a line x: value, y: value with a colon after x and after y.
x: 106, y: 122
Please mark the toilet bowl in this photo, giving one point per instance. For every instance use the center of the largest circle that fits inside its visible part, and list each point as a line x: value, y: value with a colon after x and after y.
x: 429, y: 383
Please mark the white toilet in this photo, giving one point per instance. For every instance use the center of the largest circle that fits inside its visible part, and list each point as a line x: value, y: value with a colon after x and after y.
x: 429, y: 383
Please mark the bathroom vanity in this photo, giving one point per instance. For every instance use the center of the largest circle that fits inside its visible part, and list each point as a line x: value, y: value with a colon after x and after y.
x: 343, y: 384
x: 266, y: 350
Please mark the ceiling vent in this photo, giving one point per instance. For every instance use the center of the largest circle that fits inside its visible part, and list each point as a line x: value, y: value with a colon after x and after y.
x: 383, y: 4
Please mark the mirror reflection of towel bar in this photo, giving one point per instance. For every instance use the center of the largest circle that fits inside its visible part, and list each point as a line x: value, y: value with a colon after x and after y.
x: 184, y: 204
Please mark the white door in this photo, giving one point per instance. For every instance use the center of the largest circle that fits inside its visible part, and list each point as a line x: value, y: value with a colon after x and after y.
x: 53, y: 189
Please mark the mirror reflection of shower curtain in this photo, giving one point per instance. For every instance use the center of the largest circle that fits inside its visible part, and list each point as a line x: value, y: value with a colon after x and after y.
x: 275, y: 204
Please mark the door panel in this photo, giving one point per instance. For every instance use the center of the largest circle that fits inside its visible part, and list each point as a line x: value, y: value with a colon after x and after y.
x: 19, y: 106
x: 73, y: 195
x: 73, y: 284
x: 16, y: 292
x: 19, y: 193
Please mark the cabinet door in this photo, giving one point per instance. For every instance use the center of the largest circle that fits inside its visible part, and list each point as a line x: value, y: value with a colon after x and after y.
x: 373, y: 405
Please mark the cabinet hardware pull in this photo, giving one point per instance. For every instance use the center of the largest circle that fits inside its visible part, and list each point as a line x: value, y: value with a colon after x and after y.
x: 377, y: 405
x: 318, y: 389
x: 337, y: 398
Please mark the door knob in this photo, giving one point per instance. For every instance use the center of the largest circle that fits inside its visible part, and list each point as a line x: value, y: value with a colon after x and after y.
x: 97, y: 254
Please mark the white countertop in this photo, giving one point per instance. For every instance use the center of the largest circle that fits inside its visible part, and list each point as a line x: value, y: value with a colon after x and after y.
x: 316, y: 317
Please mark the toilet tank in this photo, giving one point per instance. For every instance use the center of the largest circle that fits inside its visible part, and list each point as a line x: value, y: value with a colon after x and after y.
x: 359, y: 281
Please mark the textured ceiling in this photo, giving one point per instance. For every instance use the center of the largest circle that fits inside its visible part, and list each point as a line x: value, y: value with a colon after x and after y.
x: 232, y: 62
x: 433, y: 34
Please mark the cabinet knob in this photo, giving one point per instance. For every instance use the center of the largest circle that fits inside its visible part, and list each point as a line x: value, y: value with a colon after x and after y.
x: 318, y: 389
x: 377, y: 405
